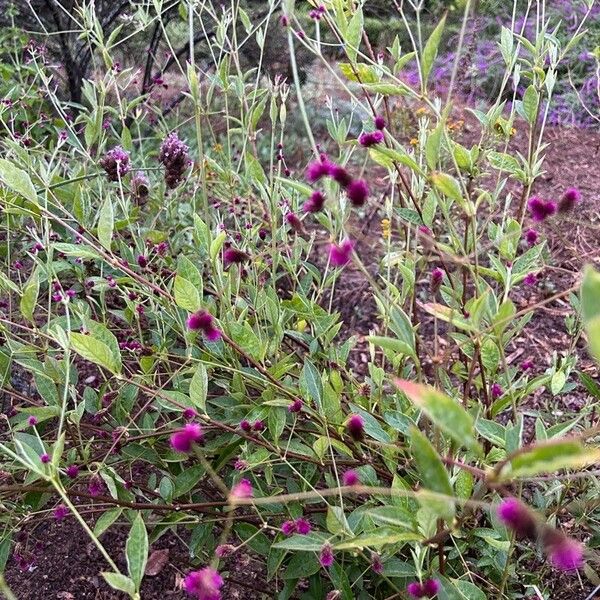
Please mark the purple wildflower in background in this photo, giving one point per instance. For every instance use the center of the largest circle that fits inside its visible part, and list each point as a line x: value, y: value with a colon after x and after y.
x: 140, y: 187
x: 294, y: 222
x: 116, y: 163
x: 95, y: 486
x: 357, y: 192
x: 530, y: 279
x: 315, y: 203
x: 526, y: 365
x: 45, y: 458
x: 60, y: 512
x: 72, y: 471
x: 189, y: 413
x: 415, y: 590
x: 224, y: 550
x: 142, y: 261
x: 326, y: 556
x: 295, y: 406
x: 183, y: 440
x: 350, y: 477
x: 370, y: 138
x: 317, y: 170
x: 234, y: 256
x: 516, y: 516
x: 376, y: 564
x: 242, y: 489
x: 564, y: 553
x: 258, y: 425
x: 340, y: 175
x: 288, y: 527
x: 339, y: 256
x: 175, y: 158
x: 496, y: 391
x: 431, y: 587
x: 32, y: 421
x: 204, y: 584
x: 303, y: 526
x: 531, y: 236
x: 380, y: 123
x: 245, y: 426
x: 540, y: 208
x: 435, y: 280
x: 203, y: 321
x: 355, y: 426
x: 569, y: 200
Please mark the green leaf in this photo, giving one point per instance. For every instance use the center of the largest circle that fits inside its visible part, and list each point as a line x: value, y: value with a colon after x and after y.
x: 29, y: 298
x: 431, y: 469
x: 530, y: 104
x: 106, y: 520
x: 186, y: 294
x: 199, y: 387
x: 430, y: 51
x: 548, y: 458
x: 590, y: 308
x: 120, y: 582
x: 447, y: 185
x: 377, y: 539
x: 17, y: 180
x: 106, y: 220
x: 313, y: 542
x: 394, y: 345
x: 186, y: 480
x: 354, y: 35
x: 447, y: 414
x: 95, y: 351
x: 301, y: 566
x: 314, y: 385
x: 5, y: 551
x: 359, y: 72
x: 136, y: 550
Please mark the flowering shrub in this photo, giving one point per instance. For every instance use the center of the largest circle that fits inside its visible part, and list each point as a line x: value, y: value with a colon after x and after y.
x: 169, y: 291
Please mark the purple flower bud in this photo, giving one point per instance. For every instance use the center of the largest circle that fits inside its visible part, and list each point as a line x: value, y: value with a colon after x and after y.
x: 242, y: 489
x: 415, y: 590
x: 258, y: 426
x: 370, y: 138
x: 45, y: 458
x: 294, y: 222
x: 531, y: 236
x: 142, y: 261
x: 530, y: 279
x: 435, y: 281
x: 540, y: 209
x: 376, y: 563
x: 564, y: 553
x: 32, y: 421
x: 288, y: 528
x: 189, y: 413
x: 234, y: 256
x: 116, y: 163
x: 95, y: 485
x: 204, y: 584
x: 350, y: 477
x: 60, y: 512
x: 431, y: 587
x: 303, y: 526
x: 357, y: 192
x: 183, y: 440
x: 175, y: 158
x: 569, y: 200
x: 245, y: 426
x: 204, y: 321
x: 340, y: 175
x: 339, y: 256
x: 355, y: 426
x: 295, y: 406
x: 224, y: 550
x: 526, y: 365
x: 315, y: 203
x: 317, y: 170
x: 516, y: 516
x: 380, y: 122
x: 326, y: 556
x: 72, y: 471
x: 140, y: 187
x: 496, y: 391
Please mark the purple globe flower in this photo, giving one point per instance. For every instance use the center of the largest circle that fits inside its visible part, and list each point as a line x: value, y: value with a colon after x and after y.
x: 357, y: 192
x: 116, y: 163
x: 326, y: 556
x: 566, y: 554
x: 569, y: 200
x: 315, y: 203
x: 303, y: 526
x: 370, y: 138
x: 175, y: 158
x: 540, y: 209
x: 204, y: 584
x: 350, y: 477
x: 355, y: 426
x: 339, y: 256
x: 516, y: 516
x: 242, y: 489
x: 288, y: 528
x: 183, y: 440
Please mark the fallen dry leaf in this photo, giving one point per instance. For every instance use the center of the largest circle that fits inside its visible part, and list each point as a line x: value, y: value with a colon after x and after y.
x: 157, y: 561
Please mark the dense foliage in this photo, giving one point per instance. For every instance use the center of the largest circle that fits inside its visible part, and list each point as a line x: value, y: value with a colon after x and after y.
x: 173, y: 349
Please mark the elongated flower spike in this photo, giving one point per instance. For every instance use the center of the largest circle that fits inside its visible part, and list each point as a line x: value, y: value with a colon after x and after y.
x: 175, y: 158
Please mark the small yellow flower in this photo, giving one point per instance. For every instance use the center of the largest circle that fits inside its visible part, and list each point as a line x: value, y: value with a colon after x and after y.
x: 414, y: 142
x: 421, y: 111
x: 218, y: 148
x: 512, y: 131
x: 386, y: 230
x: 301, y: 325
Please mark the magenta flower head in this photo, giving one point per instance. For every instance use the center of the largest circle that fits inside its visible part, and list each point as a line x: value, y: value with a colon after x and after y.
x: 72, y: 471
x: 245, y: 426
x: 415, y: 590
x: 189, y: 413
x: 540, y: 208
x: 175, y: 158
x: 530, y: 279
x: 288, y: 527
x: 350, y: 477
x: 258, y: 425
x: 569, y: 200
x: 339, y: 256
x: 326, y: 556
x: 95, y: 485
x: 60, y: 512
x: 380, y: 123
x: 294, y: 222
x: 317, y: 170
x: 357, y: 192
x: 242, y: 489
x: 435, y: 281
x: 376, y: 563
x: 516, y: 516
x: 340, y: 175
x: 204, y: 584
x: 526, y: 365
x: 116, y: 163
x: 183, y: 440
x: 32, y: 421
x: 370, y: 138
x: 140, y: 187
x: 564, y: 553
x: 295, y: 406
x: 355, y: 426
x: 315, y: 203
x: 496, y: 391
x: 224, y: 550
x: 431, y: 587
x: 45, y: 458
x: 531, y: 236
x: 234, y: 256
x: 303, y: 526
x: 203, y: 321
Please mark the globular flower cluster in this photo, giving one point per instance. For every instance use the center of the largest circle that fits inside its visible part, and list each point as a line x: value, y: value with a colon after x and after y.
x: 317, y: 13
x: 428, y: 589
x: 564, y: 553
x: 355, y: 426
x: 242, y: 489
x: 339, y: 255
x: 140, y: 187
x: 184, y: 439
x: 540, y: 209
x: 203, y: 321
x: 370, y: 138
x: 175, y: 158
x: 301, y: 526
x: 116, y: 163
x: 204, y: 584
